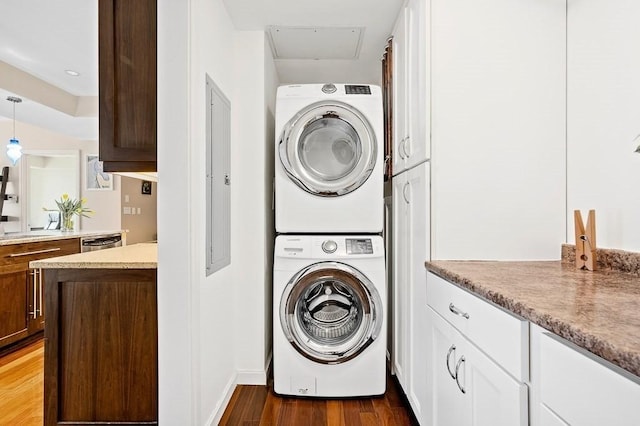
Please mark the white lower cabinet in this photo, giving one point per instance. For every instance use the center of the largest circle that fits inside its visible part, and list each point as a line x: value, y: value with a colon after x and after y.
x: 466, y: 387
x: 575, y: 387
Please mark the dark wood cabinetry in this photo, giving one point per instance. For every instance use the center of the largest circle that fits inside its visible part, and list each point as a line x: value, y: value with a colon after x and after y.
x: 14, y: 322
x: 127, y: 79
x: 101, y: 347
x: 21, y: 288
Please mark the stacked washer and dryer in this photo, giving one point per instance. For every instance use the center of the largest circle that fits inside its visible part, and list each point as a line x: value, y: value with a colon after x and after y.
x: 329, y: 281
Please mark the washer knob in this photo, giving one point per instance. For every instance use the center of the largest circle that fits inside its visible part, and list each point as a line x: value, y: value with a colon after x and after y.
x: 329, y: 246
x: 329, y: 88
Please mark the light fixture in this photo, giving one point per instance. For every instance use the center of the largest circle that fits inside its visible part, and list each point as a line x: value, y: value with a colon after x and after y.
x: 14, y: 150
x: 72, y: 73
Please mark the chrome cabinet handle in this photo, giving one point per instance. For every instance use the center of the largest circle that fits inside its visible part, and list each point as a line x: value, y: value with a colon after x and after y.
x: 404, y: 193
x: 400, y: 148
x: 40, y: 290
x: 457, y: 311
x: 451, y: 349
x: 407, y: 153
x: 29, y: 253
x: 460, y: 361
x: 34, y: 280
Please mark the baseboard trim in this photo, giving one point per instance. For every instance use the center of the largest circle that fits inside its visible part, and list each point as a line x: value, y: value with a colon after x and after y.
x: 252, y: 377
x: 218, y: 411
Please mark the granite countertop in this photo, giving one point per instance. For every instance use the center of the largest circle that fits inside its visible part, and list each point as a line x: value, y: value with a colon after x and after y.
x: 135, y: 256
x: 598, y: 310
x: 34, y: 236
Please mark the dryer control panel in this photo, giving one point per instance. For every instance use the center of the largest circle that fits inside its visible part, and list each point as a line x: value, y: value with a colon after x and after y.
x: 359, y: 246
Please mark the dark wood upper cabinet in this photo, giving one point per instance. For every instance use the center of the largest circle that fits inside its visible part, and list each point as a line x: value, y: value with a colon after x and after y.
x: 127, y: 80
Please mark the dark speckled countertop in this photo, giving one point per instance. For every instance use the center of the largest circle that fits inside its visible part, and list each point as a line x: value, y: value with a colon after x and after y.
x: 599, y: 311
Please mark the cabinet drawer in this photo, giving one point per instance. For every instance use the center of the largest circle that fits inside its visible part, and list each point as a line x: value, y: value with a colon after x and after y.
x: 501, y: 335
x: 581, y: 389
x: 19, y: 254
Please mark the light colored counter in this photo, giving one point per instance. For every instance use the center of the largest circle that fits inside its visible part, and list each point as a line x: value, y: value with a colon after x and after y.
x: 136, y: 256
x: 35, y: 236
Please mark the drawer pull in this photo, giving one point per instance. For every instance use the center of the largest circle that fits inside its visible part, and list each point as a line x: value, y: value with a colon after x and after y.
x: 29, y: 253
x: 457, y: 311
x: 460, y: 361
x: 451, y: 349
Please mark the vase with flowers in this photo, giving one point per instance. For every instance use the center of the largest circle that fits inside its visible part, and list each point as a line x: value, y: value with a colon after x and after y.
x: 69, y: 207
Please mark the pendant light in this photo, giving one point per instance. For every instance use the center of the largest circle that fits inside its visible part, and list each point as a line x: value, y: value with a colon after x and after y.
x: 14, y: 150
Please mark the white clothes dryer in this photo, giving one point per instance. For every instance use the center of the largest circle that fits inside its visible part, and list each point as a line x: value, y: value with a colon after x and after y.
x: 329, y: 159
x: 329, y: 316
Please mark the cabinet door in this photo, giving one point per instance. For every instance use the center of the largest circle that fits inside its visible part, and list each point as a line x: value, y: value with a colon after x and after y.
x: 399, y: 92
x: 127, y: 65
x: 400, y: 281
x: 417, y: 244
x: 445, y: 398
x: 492, y: 396
x: 465, y: 386
x: 416, y: 146
x: 13, y: 307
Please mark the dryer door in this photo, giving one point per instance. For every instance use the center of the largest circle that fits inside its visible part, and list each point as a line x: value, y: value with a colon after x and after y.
x: 328, y: 149
x: 330, y: 312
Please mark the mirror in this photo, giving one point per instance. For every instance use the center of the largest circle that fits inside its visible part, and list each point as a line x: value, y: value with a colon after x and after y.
x: 45, y: 176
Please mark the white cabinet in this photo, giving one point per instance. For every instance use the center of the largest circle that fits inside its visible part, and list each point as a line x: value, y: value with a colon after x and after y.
x: 467, y: 383
x: 466, y: 386
x: 410, y: 86
x: 410, y: 250
x: 575, y: 387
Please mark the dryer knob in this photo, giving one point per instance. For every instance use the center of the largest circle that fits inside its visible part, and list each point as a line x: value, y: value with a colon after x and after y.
x: 329, y: 246
x: 329, y: 88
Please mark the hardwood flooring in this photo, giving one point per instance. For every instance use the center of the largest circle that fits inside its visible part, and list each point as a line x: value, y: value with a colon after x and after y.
x: 260, y: 406
x: 22, y: 386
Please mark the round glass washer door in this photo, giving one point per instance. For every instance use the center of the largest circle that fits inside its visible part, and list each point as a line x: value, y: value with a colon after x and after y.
x: 330, y: 312
x: 328, y: 149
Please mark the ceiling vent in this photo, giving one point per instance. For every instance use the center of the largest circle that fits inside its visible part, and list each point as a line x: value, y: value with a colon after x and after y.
x: 315, y: 42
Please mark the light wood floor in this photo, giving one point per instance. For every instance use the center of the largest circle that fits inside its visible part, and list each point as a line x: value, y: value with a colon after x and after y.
x: 22, y: 386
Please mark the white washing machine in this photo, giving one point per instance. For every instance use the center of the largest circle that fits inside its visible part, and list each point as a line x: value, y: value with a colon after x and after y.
x: 329, y: 159
x: 329, y: 316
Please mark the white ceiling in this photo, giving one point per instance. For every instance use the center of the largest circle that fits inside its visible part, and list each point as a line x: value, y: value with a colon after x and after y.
x: 44, y: 38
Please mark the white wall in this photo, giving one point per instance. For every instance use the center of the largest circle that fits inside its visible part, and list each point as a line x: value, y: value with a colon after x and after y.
x: 603, y: 119
x: 211, y: 329
x: 498, y: 129
x: 106, y: 204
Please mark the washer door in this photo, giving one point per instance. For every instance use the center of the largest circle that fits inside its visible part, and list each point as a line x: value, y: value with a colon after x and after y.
x: 328, y: 149
x: 330, y: 312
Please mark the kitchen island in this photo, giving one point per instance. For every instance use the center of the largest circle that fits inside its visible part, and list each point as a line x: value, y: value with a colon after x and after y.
x: 101, y: 344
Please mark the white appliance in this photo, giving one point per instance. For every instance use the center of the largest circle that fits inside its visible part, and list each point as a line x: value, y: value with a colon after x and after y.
x: 329, y: 315
x: 329, y: 159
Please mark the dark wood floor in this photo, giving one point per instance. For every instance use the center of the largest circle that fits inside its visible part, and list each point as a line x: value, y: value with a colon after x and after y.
x: 259, y: 405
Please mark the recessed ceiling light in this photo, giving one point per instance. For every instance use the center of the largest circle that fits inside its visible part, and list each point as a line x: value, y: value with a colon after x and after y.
x: 72, y: 73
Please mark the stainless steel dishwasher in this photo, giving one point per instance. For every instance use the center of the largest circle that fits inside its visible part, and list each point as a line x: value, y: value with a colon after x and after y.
x: 102, y: 242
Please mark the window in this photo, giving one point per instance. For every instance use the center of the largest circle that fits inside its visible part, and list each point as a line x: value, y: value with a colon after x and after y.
x: 218, y: 179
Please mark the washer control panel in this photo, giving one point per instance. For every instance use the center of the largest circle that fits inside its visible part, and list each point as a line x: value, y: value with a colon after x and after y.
x: 329, y: 246
x: 359, y: 246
